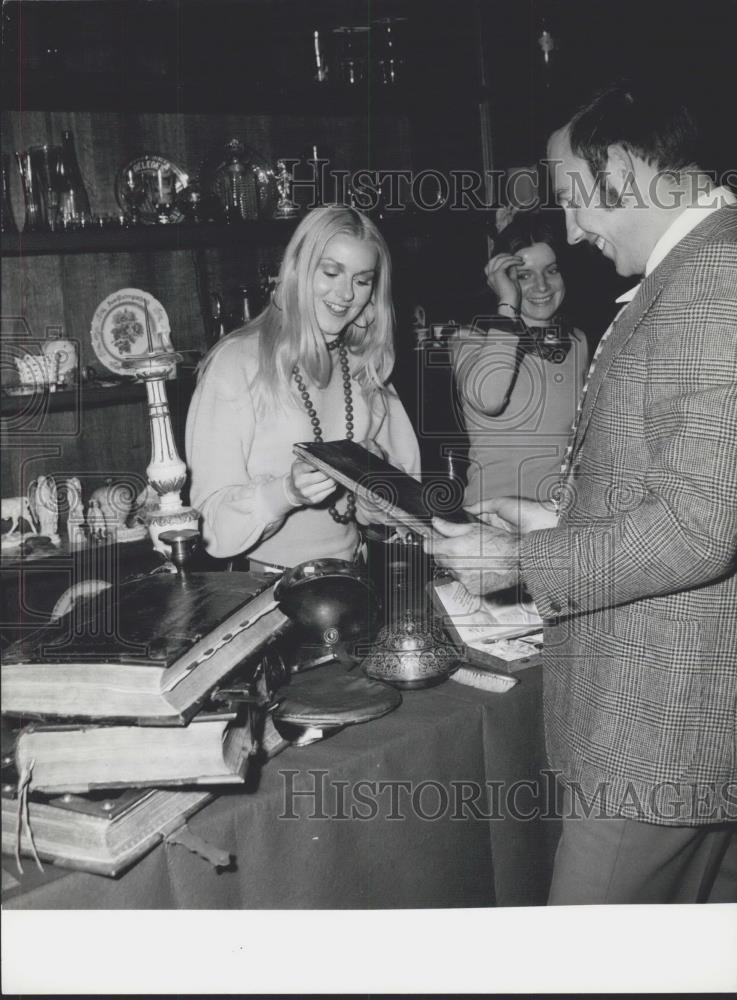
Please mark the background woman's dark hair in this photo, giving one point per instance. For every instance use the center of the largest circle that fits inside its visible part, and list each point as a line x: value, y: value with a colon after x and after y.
x: 534, y: 226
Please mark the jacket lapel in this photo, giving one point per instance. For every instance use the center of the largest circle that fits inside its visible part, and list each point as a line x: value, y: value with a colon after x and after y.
x: 623, y: 329
x: 632, y: 316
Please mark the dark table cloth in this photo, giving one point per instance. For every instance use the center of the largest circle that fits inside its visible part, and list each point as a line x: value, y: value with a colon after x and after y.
x: 356, y: 846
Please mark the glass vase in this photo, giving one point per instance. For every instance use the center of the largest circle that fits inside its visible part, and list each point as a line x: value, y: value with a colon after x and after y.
x: 34, y: 221
x: 73, y: 209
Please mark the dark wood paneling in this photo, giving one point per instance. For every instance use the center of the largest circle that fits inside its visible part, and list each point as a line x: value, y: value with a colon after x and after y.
x: 252, y: 62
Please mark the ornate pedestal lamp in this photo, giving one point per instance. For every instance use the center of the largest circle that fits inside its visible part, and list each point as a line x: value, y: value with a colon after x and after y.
x: 166, y: 472
x: 131, y: 336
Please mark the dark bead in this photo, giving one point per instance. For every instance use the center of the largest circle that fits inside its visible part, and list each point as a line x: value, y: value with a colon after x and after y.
x: 315, y: 421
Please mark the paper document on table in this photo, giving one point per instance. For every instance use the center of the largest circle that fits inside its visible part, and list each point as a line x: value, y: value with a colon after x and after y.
x: 479, y: 621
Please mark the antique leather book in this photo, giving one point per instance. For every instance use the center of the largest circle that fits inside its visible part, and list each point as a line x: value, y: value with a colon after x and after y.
x: 104, y: 834
x: 378, y: 482
x: 148, y: 650
x: 213, y: 749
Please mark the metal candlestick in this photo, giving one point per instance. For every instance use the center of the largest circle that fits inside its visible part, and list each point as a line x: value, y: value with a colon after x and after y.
x: 183, y: 542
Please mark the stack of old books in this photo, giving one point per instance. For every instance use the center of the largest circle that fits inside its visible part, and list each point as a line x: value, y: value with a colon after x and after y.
x: 112, y: 734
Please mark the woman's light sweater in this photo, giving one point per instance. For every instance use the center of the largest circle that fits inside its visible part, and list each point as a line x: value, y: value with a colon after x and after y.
x: 239, y: 453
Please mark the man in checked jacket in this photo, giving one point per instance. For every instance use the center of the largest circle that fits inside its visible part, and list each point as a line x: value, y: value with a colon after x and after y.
x: 634, y: 566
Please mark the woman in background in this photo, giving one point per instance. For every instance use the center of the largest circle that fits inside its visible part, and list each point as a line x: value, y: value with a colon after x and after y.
x: 519, y: 373
x: 316, y: 360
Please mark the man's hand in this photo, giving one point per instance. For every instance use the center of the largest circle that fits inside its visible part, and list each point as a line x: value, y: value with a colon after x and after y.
x: 483, y: 558
x: 514, y: 514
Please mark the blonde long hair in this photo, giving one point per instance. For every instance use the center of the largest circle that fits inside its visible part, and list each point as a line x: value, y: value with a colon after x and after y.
x: 288, y: 330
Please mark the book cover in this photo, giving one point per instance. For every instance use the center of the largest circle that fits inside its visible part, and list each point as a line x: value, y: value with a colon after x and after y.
x: 495, y: 629
x: 214, y: 748
x: 380, y: 483
x: 148, y: 651
x: 103, y: 834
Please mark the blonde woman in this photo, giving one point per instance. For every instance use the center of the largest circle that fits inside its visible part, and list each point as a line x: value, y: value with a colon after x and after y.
x: 313, y: 365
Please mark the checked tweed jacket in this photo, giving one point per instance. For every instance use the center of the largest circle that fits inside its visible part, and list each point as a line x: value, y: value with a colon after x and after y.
x: 639, y: 577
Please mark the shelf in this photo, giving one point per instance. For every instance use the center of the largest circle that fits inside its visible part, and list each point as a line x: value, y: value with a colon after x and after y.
x: 187, y: 236
x: 182, y: 236
x: 28, y: 90
x: 93, y: 397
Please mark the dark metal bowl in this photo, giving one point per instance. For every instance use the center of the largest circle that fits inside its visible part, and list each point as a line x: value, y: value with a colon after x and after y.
x: 330, y: 598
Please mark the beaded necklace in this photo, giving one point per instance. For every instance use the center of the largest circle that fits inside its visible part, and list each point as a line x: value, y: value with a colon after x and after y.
x: 338, y: 345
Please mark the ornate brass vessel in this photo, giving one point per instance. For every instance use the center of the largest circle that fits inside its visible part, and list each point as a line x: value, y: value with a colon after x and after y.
x: 411, y: 652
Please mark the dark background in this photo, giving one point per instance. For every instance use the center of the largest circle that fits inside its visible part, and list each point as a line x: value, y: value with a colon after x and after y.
x: 181, y: 77
x: 226, y: 55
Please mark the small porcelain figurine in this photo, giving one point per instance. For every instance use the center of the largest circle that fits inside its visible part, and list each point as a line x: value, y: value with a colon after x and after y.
x: 115, y: 501
x: 75, y: 515
x: 44, y: 503
x: 95, y: 520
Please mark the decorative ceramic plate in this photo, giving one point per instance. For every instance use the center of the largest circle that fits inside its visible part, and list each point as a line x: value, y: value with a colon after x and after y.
x: 147, y: 182
x: 129, y: 328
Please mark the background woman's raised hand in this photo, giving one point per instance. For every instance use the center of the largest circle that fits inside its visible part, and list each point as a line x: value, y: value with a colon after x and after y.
x: 501, y: 279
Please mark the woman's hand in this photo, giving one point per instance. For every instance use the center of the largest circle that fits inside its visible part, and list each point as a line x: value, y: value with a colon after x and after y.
x: 305, y: 485
x: 515, y: 514
x: 499, y: 279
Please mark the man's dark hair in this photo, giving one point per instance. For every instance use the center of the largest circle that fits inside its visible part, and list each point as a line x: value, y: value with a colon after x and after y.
x: 649, y: 122
x: 526, y: 228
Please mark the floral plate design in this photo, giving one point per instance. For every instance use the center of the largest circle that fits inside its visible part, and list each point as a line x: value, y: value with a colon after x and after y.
x: 129, y: 328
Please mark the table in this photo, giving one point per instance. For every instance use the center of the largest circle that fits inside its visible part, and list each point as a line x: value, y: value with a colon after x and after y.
x: 358, y: 849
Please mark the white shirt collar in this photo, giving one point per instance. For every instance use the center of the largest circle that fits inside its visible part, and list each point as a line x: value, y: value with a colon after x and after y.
x: 706, y: 203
